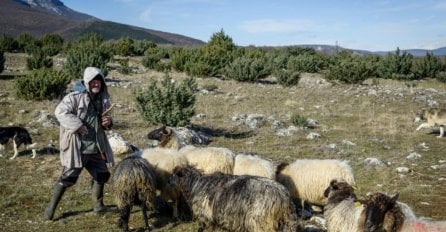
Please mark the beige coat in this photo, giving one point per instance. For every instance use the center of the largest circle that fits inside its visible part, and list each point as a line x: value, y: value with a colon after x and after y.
x: 70, y: 112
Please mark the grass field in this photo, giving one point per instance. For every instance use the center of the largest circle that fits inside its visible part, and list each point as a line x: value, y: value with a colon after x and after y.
x: 377, y: 117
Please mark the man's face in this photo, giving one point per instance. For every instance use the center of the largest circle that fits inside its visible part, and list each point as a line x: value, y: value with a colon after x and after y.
x: 95, y: 86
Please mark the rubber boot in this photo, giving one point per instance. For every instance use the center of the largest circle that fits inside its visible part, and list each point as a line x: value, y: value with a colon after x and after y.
x: 59, y: 190
x: 97, y: 195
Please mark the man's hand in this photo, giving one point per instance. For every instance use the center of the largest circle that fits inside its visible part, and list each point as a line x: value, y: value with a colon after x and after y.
x: 106, y: 121
x: 82, y: 130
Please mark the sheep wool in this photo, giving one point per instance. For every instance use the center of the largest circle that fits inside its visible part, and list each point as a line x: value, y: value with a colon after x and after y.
x: 210, y: 159
x: 236, y: 203
x: 165, y: 160
x: 133, y: 183
x: 254, y: 165
x: 308, y: 178
x: 341, y: 212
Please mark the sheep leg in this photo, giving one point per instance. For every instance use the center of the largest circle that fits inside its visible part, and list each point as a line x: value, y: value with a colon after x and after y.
x: 144, y: 215
x: 124, y: 216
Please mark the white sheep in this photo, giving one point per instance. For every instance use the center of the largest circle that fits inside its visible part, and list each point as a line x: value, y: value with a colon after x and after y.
x: 307, y: 179
x: 210, y: 159
x: 165, y: 160
x: 247, y: 164
x: 207, y: 159
x: 236, y: 203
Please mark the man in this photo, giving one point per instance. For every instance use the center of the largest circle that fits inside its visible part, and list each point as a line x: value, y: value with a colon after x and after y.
x: 83, y: 142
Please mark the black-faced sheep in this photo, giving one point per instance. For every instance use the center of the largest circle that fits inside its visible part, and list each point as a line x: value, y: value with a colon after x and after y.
x: 307, y: 179
x: 398, y: 217
x: 344, y: 212
x: 134, y: 183
x: 246, y: 164
x: 236, y: 203
x: 166, y: 137
x: 164, y: 161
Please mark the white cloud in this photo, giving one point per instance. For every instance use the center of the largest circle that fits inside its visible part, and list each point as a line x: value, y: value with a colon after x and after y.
x: 271, y: 25
x: 146, y: 15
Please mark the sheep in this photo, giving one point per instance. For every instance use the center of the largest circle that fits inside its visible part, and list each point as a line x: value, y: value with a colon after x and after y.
x: 207, y: 159
x: 397, y: 216
x: 165, y: 160
x: 134, y: 183
x: 307, y: 179
x: 246, y: 164
x: 344, y: 212
x: 166, y: 136
x: 210, y: 159
x: 236, y: 203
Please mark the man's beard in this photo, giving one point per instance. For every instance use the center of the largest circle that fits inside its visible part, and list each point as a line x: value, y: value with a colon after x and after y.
x: 95, y: 90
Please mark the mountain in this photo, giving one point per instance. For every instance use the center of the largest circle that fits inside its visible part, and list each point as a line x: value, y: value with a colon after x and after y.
x: 39, y: 17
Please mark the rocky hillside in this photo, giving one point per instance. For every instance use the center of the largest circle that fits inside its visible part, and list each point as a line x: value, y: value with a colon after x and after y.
x: 39, y: 17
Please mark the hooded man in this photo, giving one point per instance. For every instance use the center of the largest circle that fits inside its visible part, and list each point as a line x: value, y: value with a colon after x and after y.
x: 83, y: 142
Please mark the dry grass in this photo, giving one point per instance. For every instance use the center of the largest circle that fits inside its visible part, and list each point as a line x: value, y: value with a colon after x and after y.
x: 380, y: 125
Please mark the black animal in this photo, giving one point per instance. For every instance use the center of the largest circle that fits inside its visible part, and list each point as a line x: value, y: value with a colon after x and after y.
x: 134, y: 183
x: 19, y: 136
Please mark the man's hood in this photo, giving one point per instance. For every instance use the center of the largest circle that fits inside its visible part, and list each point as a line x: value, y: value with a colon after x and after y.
x: 89, y: 74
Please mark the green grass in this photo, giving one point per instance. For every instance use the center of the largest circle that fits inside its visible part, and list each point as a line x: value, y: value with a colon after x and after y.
x: 380, y: 126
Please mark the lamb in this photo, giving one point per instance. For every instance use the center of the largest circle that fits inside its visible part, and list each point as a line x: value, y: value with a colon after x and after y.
x: 207, y: 159
x: 397, y: 216
x: 236, y: 203
x: 134, y: 183
x: 246, y: 164
x: 307, y: 179
x: 165, y: 160
x: 344, y: 212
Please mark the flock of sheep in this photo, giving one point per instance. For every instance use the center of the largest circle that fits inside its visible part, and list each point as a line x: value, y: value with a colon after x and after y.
x: 241, y: 192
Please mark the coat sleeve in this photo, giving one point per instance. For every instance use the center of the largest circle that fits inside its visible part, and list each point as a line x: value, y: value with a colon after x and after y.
x: 66, y: 114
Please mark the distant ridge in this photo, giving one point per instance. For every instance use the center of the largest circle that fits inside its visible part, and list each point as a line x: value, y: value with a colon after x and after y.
x: 40, y: 17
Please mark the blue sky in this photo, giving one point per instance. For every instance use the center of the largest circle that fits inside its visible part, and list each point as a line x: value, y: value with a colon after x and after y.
x: 379, y: 25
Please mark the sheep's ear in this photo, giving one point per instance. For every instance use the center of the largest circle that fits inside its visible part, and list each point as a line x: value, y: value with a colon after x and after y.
x: 168, y: 131
x: 395, y: 198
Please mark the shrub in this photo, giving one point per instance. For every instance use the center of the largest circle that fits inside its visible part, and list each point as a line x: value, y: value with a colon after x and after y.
x: 311, y: 63
x: 88, y: 51
x: 169, y: 104
x: 152, y: 56
x: 8, y: 44
x: 395, y: 65
x: 247, y: 69
x: 298, y: 120
x: 426, y: 67
x: 51, y: 44
x: 38, y: 59
x: 41, y: 84
x: 26, y: 43
x: 216, y: 54
x: 349, y: 70
x: 140, y: 46
x: 287, y: 78
x: 124, y: 66
x: 441, y: 76
x: 123, y: 47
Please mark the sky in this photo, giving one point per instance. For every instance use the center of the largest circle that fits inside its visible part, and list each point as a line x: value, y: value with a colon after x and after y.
x: 374, y: 25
